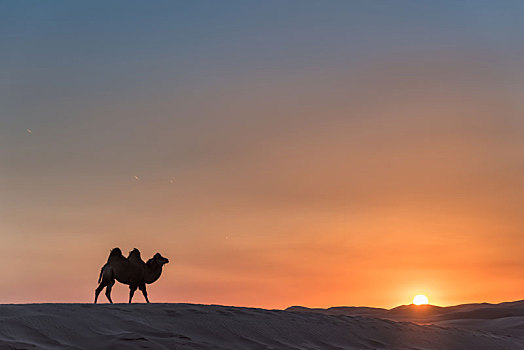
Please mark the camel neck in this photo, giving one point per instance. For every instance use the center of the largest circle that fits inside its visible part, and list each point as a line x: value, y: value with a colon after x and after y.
x: 153, y: 272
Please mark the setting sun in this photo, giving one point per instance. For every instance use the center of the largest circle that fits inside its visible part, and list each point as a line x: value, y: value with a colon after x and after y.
x: 420, y: 300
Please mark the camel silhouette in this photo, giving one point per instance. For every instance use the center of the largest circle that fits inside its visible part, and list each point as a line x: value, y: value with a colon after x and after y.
x: 132, y: 271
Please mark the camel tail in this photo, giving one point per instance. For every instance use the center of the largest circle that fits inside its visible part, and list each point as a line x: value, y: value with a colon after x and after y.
x: 101, y: 273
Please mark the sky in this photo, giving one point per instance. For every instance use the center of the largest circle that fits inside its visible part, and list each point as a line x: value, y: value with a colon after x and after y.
x: 315, y: 153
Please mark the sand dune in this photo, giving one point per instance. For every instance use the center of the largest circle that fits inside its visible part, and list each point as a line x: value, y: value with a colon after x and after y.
x: 427, y: 313
x: 187, y: 326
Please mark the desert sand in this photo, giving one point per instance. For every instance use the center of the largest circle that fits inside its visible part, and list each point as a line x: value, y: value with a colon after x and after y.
x: 189, y: 326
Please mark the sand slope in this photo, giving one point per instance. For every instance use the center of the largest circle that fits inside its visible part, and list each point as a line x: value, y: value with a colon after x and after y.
x: 186, y: 326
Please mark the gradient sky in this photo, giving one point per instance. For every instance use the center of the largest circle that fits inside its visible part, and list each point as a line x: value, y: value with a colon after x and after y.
x: 280, y: 153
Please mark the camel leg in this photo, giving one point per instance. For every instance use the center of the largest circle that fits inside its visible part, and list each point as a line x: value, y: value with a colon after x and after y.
x: 99, y: 289
x: 131, y: 292
x: 108, y: 291
x: 144, y: 291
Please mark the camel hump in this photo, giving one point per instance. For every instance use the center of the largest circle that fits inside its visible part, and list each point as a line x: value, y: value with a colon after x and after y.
x: 135, y: 256
x: 115, y: 253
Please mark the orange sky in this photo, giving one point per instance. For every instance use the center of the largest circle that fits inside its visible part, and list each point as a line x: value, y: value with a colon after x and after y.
x: 286, y: 180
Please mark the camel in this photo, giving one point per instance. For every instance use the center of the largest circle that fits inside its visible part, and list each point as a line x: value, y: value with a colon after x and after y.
x: 132, y: 271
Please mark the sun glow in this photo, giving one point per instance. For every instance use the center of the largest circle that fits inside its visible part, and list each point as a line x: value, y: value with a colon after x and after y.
x: 420, y: 300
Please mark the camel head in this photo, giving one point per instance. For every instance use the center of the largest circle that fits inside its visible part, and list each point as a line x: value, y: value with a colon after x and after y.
x: 160, y: 259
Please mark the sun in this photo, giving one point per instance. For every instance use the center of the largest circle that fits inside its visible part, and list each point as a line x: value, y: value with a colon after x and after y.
x: 420, y: 300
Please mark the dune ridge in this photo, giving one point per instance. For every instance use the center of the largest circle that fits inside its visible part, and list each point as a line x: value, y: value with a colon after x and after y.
x: 190, y: 326
x: 426, y: 313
